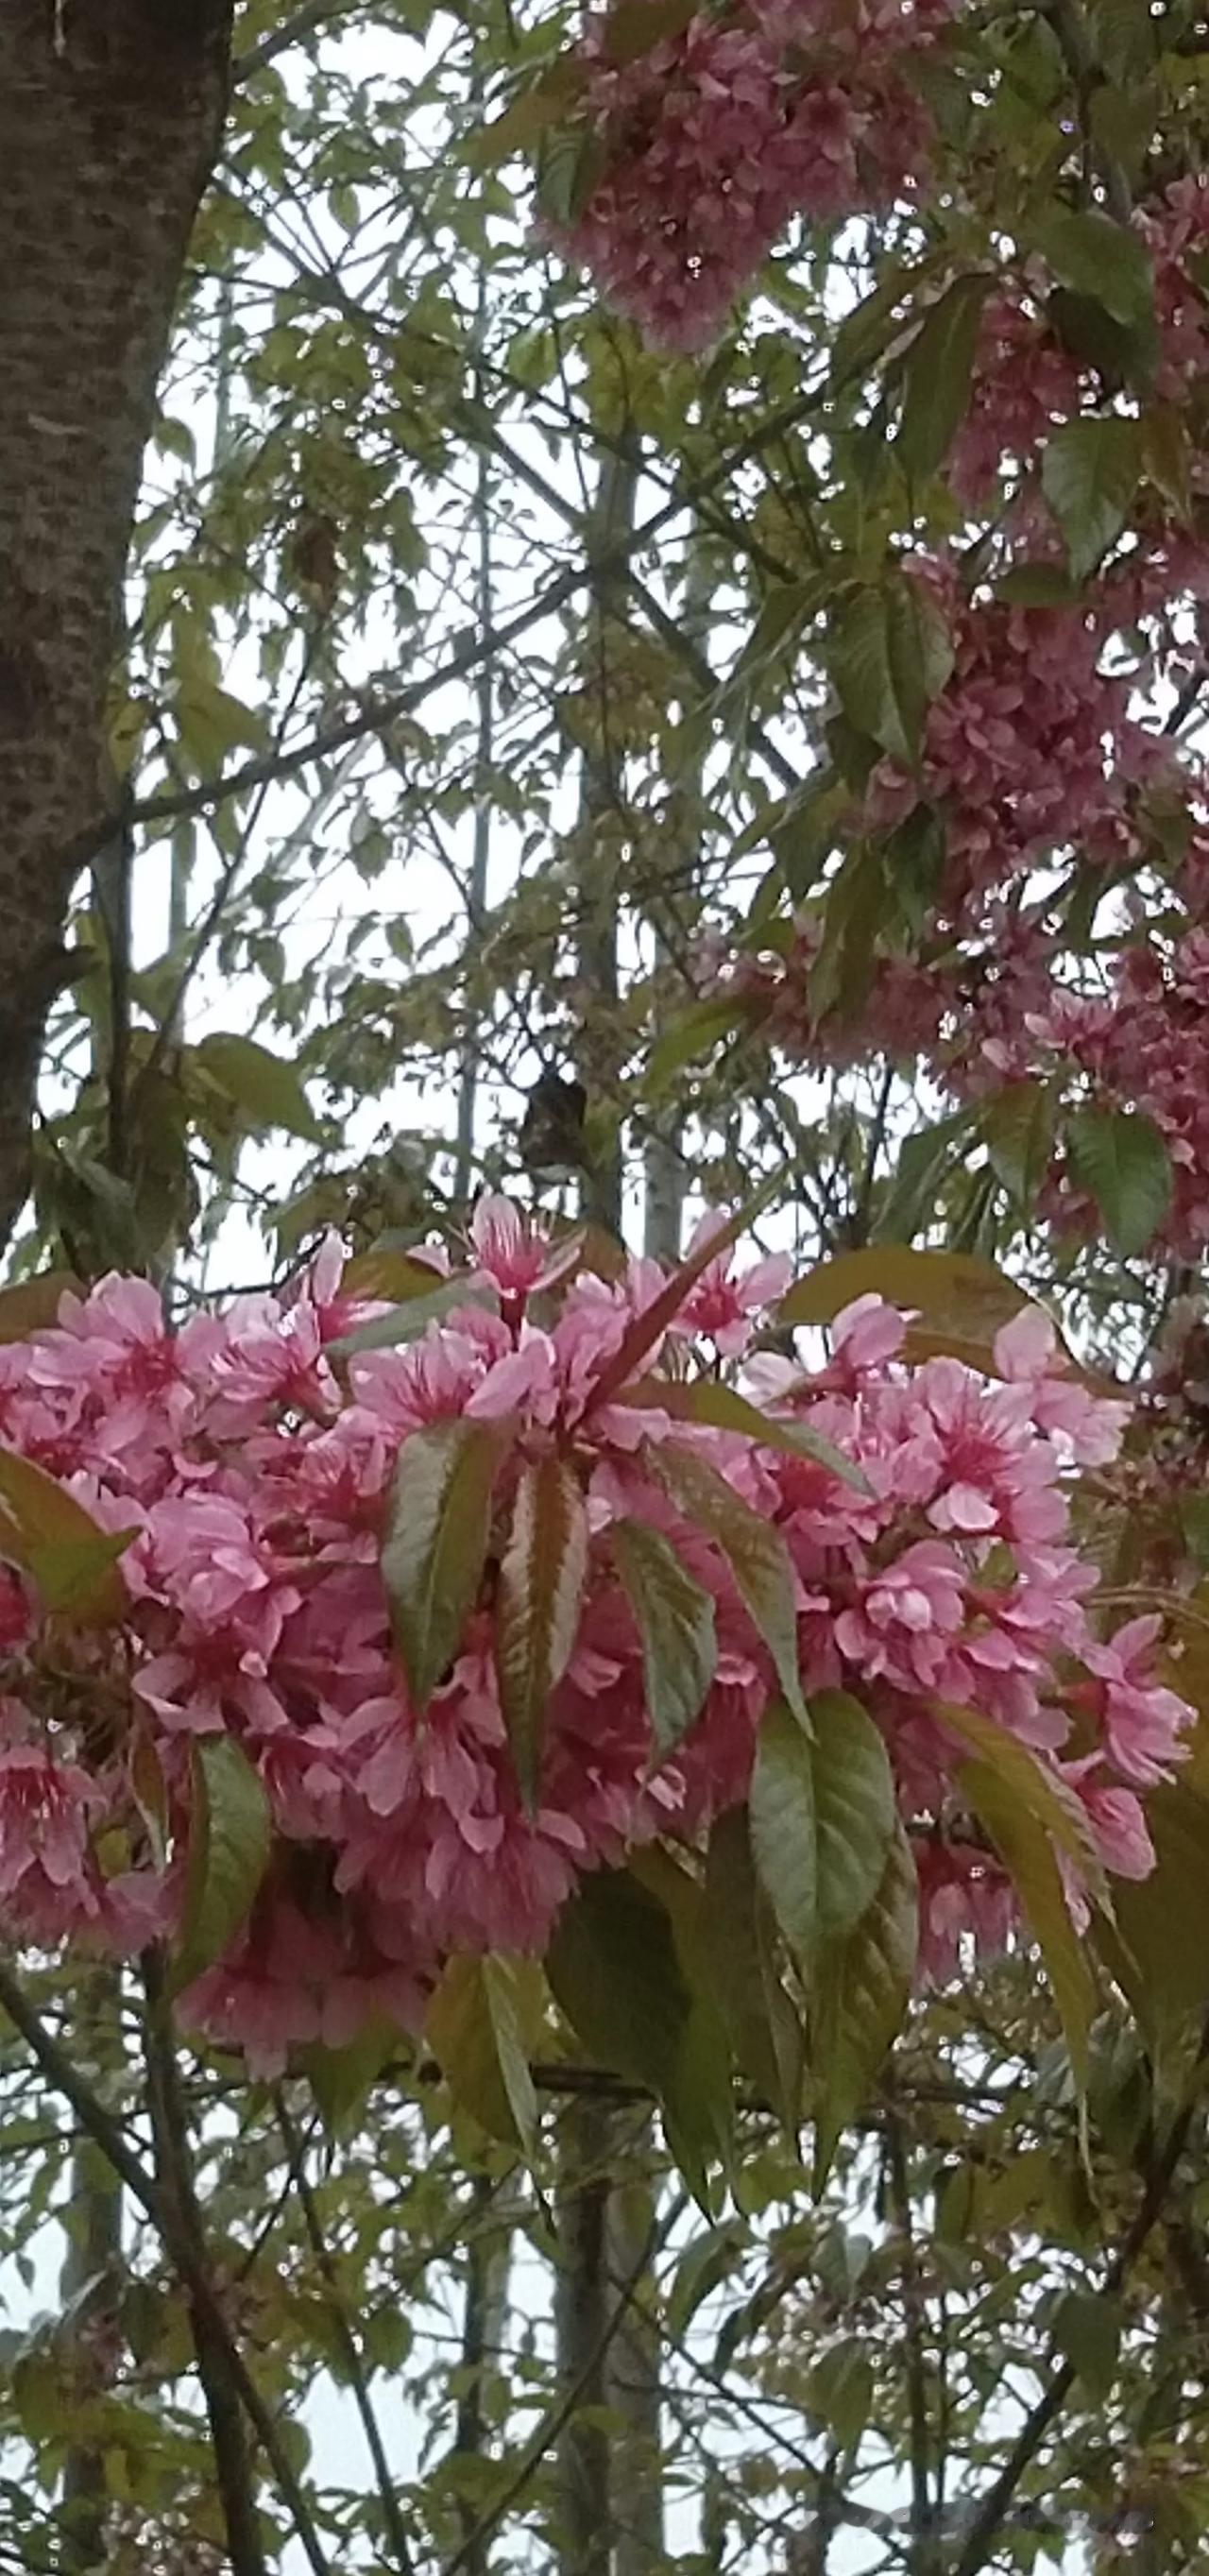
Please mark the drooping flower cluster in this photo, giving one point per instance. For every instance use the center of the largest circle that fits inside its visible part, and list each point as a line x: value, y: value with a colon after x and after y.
x: 252, y: 1463
x: 711, y: 140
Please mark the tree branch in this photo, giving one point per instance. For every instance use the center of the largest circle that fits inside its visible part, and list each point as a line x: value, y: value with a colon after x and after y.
x: 992, y: 2511
x: 143, y: 2187
x: 387, y: 2492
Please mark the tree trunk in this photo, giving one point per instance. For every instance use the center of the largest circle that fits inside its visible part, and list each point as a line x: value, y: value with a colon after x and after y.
x: 583, y: 2535
x: 111, y: 113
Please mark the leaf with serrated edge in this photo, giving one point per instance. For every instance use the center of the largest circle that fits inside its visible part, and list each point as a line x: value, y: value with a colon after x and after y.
x: 854, y: 1810
x: 51, y: 1536
x: 755, y: 1551
x: 1043, y: 1796
x: 706, y: 1399
x: 674, y: 1616
x: 230, y: 1831
x: 862, y: 1989
x: 477, y: 2025
x: 1120, y: 1158
x: 436, y: 1543
x: 937, y: 374
x: 740, y: 1934
x: 538, y: 1601
x: 1025, y: 1849
x: 784, y: 1834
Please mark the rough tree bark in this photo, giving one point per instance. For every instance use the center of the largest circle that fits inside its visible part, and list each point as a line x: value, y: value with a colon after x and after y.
x: 111, y: 113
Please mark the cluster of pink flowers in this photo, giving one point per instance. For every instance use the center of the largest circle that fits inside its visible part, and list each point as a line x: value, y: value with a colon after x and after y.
x: 1023, y: 381
x: 1144, y: 1044
x: 1031, y: 746
x: 252, y: 1477
x: 712, y: 140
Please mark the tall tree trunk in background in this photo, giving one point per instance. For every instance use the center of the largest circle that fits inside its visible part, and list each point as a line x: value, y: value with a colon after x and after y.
x: 484, y: 2320
x: 598, y: 837
x: 581, y: 2314
x: 586, y: 2138
x: 632, y: 2378
x: 110, y: 120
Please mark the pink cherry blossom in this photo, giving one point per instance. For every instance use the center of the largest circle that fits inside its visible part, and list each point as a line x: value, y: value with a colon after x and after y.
x: 720, y: 1308
x: 252, y: 1484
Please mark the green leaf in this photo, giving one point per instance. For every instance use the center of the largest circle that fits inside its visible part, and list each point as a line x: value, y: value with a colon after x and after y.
x: 512, y: 1989
x: 740, y: 1937
x: 538, y: 1602
x: 523, y: 123
x: 862, y: 1989
x: 480, y: 2024
x: 615, y: 1971
x: 1087, y: 2327
x: 889, y: 655
x: 1102, y: 259
x: 711, y: 2259
x: 53, y: 1539
x: 924, y: 1158
x: 698, y: 2102
x: 865, y: 332
x: 754, y: 1550
x: 937, y: 372
x: 913, y: 861
x: 1037, y: 585
x: 674, y: 1617
x: 406, y: 1323
x: 388, y: 1270
x: 632, y: 27
x: 262, y: 1086
x: 693, y: 1034
x: 1122, y: 353
x: 853, y: 913
x: 783, y: 1826
x: 1018, y: 1126
x: 961, y: 1299
x: 839, y: 2391
x: 211, y: 722
x: 230, y: 1831
x: 1038, y: 1792
x: 30, y: 1305
x: 706, y: 1399
x: 854, y: 1811
x: 1119, y: 1157
x: 1166, y: 1979
x: 1167, y: 456
x: 1027, y: 1854
x: 342, y: 2079
x: 1089, y: 474
x: 436, y: 1543
x: 569, y: 170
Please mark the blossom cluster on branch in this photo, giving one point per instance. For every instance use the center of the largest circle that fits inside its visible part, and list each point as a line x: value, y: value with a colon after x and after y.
x: 710, y: 140
x: 423, y: 1588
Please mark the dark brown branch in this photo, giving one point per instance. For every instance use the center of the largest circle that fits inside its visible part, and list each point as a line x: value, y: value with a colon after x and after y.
x: 99, y: 2124
x: 174, y: 2174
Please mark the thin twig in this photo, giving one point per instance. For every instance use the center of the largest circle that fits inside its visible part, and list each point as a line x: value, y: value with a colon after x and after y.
x: 358, y: 2382
x: 991, y: 2512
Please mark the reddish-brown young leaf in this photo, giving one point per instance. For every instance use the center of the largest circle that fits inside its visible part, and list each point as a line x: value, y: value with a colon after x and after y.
x: 537, y: 1606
